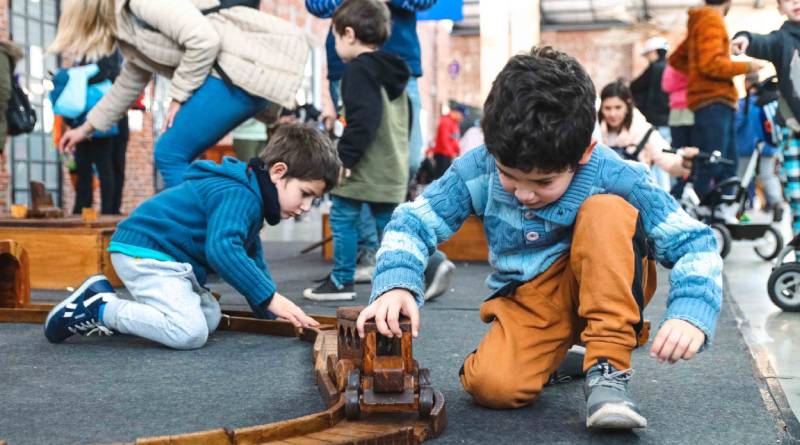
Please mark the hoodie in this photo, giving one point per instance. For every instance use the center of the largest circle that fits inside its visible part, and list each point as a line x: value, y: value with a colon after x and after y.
x: 705, y: 57
x: 11, y: 54
x: 374, y: 145
x: 781, y: 48
x: 210, y: 221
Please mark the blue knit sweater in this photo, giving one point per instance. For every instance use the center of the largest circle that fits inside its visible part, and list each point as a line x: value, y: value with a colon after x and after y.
x: 210, y: 221
x: 472, y: 187
x: 403, y: 40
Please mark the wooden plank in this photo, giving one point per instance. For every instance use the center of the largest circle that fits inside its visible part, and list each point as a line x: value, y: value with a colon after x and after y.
x: 306, y: 440
x: 63, y: 257
x: 103, y: 221
x: 258, y: 326
x: 290, y: 428
x: 23, y: 315
x: 468, y: 243
x: 213, y: 437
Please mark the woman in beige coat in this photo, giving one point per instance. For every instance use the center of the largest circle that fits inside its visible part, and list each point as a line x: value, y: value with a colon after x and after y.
x: 224, y: 67
x: 623, y: 128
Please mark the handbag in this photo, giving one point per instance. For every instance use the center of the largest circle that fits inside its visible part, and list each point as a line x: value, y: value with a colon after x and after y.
x: 20, y: 116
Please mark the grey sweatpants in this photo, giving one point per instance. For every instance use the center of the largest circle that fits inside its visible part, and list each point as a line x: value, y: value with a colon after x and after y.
x: 170, y: 307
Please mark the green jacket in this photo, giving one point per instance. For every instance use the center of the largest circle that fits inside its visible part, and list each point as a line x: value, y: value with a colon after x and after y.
x: 374, y: 145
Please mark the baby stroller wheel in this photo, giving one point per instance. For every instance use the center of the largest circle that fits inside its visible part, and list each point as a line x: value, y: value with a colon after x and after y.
x: 770, y: 245
x: 724, y: 239
x: 783, y: 287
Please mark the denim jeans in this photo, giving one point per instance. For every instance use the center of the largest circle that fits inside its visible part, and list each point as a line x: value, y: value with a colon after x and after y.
x: 170, y: 307
x: 345, y: 215
x: 415, y: 141
x: 211, y: 112
x: 714, y: 130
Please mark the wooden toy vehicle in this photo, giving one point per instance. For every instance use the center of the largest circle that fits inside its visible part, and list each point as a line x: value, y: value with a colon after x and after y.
x: 381, y: 373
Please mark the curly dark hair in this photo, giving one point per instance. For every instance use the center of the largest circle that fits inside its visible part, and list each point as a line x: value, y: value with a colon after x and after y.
x: 540, y: 112
x: 371, y: 20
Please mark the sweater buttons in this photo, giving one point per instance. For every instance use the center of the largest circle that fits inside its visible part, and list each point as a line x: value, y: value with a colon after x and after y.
x: 532, y: 236
x: 529, y: 215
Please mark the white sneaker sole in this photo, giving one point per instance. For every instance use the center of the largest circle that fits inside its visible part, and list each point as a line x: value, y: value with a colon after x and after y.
x: 89, y: 281
x: 441, y: 281
x: 617, y: 417
x: 339, y: 296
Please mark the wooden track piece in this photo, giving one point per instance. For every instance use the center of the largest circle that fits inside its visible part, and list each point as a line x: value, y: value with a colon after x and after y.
x: 15, y: 280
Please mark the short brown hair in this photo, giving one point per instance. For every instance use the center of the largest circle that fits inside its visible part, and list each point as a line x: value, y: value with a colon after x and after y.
x: 308, y: 153
x: 370, y: 19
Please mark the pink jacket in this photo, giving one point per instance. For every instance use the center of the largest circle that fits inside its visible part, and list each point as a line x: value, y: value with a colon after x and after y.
x: 675, y: 83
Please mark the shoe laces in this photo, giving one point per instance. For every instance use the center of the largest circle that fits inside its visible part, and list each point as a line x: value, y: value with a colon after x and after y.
x: 90, y: 327
x: 614, y: 380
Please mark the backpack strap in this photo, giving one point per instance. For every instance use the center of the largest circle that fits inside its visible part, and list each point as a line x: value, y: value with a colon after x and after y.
x: 642, y: 143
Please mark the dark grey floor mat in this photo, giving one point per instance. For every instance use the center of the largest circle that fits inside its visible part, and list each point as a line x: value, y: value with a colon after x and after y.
x: 102, y: 390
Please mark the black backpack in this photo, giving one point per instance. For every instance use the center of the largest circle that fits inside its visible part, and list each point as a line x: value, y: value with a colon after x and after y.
x: 20, y: 115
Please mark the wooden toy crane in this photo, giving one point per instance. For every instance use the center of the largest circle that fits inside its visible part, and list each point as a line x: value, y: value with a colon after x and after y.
x: 381, y: 373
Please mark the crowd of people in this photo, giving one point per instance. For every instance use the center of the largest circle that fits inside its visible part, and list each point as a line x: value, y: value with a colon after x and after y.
x: 546, y: 187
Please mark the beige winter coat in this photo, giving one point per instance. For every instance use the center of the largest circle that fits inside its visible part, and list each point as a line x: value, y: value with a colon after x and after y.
x: 262, y: 54
x: 652, y: 152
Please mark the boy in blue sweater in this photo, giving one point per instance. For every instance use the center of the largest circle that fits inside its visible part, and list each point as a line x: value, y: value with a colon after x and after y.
x: 571, y: 229
x: 210, y: 223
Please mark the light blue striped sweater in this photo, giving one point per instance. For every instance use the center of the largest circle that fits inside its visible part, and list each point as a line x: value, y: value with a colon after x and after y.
x: 472, y: 187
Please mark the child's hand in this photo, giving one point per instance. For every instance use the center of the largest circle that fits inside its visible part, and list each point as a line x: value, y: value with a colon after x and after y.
x: 387, y: 309
x: 283, y: 308
x: 677, y: 339
x: 739, y: 45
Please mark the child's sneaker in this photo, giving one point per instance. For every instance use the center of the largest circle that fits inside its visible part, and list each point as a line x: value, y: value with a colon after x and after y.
x: 79, y: 313
x: 438, y: 275
x: 608, y: 404
x: 365, y: 266
x: 571, y: 367
x: 329, y: 291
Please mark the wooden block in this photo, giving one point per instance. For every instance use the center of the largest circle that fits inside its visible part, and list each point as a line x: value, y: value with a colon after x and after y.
x: 327, y: 248
x: 19, y: 211
x: 88, y: 214
x: 15, y: 280
x: 388, y: 374
x: 60, y: 257
x: 468, y: 244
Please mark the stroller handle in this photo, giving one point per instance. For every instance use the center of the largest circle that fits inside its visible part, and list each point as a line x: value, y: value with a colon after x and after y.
x: 715, y: 157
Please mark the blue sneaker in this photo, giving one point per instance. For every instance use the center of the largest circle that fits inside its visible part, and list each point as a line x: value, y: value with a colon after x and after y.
x: 79, y: 313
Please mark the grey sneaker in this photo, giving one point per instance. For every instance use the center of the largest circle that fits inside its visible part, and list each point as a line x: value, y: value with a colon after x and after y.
x: 608, y: 404
x: 438, y: 275
x: 365, y: 266
x: 571, y: 367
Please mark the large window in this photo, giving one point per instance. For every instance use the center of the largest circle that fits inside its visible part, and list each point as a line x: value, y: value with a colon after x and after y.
x: 33, y: 156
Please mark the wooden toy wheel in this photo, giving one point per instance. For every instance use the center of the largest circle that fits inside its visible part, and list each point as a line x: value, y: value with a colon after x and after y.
x: 352, y: 404
x: 425, y: 394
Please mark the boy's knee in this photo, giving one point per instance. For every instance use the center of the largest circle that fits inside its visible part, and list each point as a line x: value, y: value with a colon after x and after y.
x: 188, y: 334
x: 498, y: 390
x: 607, y: 206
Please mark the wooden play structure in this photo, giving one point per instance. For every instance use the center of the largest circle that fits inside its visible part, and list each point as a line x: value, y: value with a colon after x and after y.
x: 468, y: 243
x: 15, y: 283
x: 337, y: 356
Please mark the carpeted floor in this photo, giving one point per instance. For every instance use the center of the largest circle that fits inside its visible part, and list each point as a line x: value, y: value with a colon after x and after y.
x: 100, y: 390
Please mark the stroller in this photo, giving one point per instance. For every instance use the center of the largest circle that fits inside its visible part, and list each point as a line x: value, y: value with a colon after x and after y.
x: 732, y: 191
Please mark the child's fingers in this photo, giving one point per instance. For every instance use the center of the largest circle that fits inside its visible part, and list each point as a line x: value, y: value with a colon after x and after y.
x: 694, y: 346
x: 365, y: 315
x: 393, y: 317
x: 658, y: 342
x: 380, y: 320
x: 682, y: 342
x: 412, y: 311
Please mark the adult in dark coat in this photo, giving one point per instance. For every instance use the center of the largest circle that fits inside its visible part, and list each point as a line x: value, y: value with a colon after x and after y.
x: 648, y: 96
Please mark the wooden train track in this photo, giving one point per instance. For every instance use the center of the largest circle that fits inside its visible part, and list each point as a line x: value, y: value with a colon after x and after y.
x: 323, y: 428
